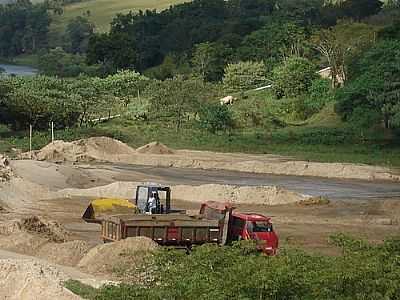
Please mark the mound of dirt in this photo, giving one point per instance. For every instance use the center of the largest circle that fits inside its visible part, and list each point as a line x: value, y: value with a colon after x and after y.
x: 107, y: 258
x: 67, y: 254
x: 155, y: 148
x: 31, y: 280
x: 96, y: 148
x: 18, y: 193
x: 30, y: 234
x: 49, y: 229
x: 5, y: 169
x: 268, y: 195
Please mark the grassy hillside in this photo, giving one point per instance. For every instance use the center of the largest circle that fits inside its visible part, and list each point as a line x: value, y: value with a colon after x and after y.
x: 103, y: 11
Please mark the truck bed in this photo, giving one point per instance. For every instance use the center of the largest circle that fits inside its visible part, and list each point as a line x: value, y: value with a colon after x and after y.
x: 171, y: 229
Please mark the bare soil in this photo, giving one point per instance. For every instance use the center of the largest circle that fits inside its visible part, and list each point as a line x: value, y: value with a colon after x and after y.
x: 156, y: 154
x: 43, y: 201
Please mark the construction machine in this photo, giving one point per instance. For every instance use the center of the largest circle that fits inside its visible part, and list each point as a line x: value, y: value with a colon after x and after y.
x: 149, y: 199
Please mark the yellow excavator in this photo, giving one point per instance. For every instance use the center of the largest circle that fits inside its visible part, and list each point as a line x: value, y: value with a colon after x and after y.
x: 150, y: 199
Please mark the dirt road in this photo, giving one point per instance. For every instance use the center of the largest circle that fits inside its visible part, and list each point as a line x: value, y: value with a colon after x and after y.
x: 314, y: 186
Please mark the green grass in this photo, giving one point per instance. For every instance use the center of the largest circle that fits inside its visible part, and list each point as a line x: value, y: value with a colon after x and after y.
x: 103, y: 11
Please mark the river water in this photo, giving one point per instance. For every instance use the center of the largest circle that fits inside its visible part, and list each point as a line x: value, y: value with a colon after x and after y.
x: 18, y: 70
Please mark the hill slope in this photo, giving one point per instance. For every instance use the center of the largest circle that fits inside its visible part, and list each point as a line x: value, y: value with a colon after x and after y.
x: 103, y: 11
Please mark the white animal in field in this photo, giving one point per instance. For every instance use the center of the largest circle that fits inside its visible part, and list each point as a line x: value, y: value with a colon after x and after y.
x: 228, y: 100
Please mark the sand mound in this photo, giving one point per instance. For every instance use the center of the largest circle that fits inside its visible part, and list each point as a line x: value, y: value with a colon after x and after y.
x: 29, y: 279
x: 106, y: 258
x: 96, y: 148
x: 155, y: 148
x: 18, y: 193
x: 67, y: 254
x: 268, y: 195
x: 30, y: 234
x: 51, y: 230
x: 5, y: 169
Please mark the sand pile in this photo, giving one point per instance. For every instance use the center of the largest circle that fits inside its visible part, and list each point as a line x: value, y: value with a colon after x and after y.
x: 96, y: 148
x: 108, y: 258
x: 268, y: 195
x: 155, y: 148
x: 49, y: 229
x: 29, y: 279
x: 30, y: 234
x: 5, y: 169
x: 67, y: 254
x: 18, y: 193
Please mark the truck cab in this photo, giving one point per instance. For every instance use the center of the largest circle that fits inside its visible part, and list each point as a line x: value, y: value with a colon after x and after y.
x: 250, y: 226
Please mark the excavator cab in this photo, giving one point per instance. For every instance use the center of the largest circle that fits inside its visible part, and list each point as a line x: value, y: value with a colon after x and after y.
x: 153, y: 199
x: 150, y: 199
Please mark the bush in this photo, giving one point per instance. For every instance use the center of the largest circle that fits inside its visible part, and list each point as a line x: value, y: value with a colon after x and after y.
x: 363, y: 271
x: 320, y: 94
x: 244, y: 76
x: 294, y: 77
x: 216, y: 117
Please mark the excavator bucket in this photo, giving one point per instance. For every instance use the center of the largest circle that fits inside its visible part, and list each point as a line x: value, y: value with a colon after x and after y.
x: 99, y: 209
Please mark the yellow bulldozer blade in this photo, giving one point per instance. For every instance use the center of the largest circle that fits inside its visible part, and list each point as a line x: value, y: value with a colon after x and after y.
x: 99, y: 209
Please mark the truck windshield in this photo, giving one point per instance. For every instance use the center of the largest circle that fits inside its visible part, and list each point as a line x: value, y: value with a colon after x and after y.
x: 260, y: 227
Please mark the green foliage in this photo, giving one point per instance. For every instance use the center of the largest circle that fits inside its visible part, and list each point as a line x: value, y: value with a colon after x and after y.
x: 363, y: 271
x: 178, y: 100
x: 209, y: 60
x: 215, y: 117
x: 374, y: 90
x: 340, y: 44
x: 41, y: 99
x: 24, y: 27
x: 57, y: 62
x: 294, y: 77
x: 273, y: 42
x: 37, y: 101
x: 320, y: 94
x: 243, y: 76
x: 79, y: 30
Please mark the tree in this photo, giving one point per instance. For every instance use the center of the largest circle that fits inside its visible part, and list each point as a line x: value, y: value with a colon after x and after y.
x: 375, y: 88
x: 273, y: 42
x: 294, y: 77
x: 24, y: 27
x: 79, y: 30
x: 357, y: 9
x: 37, y: 101
x: 340, y: 44
x: 57, y: 62
x: 209, y: 60
x: 176, y: 100
x: 90, y: 98
x: 243, y: 76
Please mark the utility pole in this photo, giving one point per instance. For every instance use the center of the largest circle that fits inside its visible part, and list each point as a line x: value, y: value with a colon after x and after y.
x: 52, y: 132
x: 30, y: 140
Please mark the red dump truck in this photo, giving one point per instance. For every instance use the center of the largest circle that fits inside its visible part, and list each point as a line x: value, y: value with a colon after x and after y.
x: 216, y: 223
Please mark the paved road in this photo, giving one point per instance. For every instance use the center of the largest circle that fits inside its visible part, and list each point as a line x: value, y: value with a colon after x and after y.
x: 332, y: 188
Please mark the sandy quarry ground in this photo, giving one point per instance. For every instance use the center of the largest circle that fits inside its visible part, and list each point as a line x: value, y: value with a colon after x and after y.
x: 156, y: 154
x: 43, y: 240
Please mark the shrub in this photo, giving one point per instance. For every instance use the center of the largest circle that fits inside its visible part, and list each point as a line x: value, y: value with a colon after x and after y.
x: 244, y: 76
x: 294, y: 77
x: 215, y: 117
x: 320, y: 93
